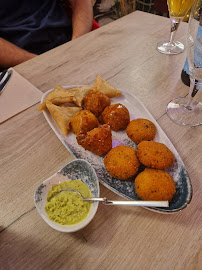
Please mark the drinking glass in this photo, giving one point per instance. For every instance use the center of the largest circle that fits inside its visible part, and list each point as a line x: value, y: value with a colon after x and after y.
x: 177, y: 11
x: 187, y: 110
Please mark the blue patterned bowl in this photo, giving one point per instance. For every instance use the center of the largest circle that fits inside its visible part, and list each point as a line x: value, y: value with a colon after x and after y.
x: 76, y: 169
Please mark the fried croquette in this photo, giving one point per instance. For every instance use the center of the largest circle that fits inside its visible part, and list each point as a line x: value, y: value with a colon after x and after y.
x: 141, y: 130
x: 83, y: 122
x: 98, y: 140
x: 155, y: 155
x: 96, y: 102
x: 116, y: 115
x: 121, y: 162
x: 154, y: 185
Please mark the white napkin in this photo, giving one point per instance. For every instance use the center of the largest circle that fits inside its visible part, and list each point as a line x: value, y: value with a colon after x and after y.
x: 18, y: 95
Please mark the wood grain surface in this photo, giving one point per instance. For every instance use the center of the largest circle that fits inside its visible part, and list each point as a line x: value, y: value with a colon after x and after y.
x: 124, y: 53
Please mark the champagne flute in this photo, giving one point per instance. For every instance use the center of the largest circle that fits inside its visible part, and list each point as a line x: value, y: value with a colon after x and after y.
x: 177, y: 11
x: 187, y: 110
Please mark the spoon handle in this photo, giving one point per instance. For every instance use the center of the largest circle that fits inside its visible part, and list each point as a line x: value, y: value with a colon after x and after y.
x: 95, y: 199
x: 134, y: 203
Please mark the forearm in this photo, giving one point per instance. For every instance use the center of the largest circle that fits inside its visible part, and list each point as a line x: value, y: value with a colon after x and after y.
x: 11, y: 55
x: 82, y: 17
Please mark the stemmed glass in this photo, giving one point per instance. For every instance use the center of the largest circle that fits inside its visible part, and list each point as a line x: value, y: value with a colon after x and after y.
x: 187, y: 110
x: 177, y: 11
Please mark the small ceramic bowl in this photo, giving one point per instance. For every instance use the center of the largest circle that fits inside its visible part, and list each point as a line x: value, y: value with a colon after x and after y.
x: 76, y: 169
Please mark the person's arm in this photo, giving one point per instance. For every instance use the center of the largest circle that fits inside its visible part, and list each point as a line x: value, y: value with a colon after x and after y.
x: 11, y: 55
x: 82, y: 17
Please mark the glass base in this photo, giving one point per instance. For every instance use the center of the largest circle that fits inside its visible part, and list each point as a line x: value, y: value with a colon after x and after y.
x: 179, y: 112
x: 170, y: 48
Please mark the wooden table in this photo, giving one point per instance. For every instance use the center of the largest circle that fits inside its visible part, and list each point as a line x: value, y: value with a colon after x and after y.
x: 124, y: 53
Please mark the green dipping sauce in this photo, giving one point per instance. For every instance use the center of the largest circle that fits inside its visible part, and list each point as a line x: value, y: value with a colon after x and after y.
x: 67, y: 207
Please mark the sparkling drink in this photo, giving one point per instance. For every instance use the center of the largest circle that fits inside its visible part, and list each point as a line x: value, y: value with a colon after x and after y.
x: 177, y: 11
x: 179, y: 8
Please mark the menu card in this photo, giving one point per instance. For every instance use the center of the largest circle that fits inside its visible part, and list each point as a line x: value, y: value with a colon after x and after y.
x: 18, y: 95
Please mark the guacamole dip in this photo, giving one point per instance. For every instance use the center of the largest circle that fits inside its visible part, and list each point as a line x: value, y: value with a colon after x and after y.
x: 67, y: 207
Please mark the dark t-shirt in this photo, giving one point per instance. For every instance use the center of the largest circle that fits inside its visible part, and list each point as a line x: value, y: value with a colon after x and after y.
x: 34, y: 25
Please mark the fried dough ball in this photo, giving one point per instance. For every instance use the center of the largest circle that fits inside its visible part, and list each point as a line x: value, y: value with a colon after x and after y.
x: 83, y: 122
x: 154, y: 185
x: 121, y: 162
x: 116, y: 115
x: 98, y: 140
x: 141, y: 130
x: 96, y: 102
x: 155, y: 155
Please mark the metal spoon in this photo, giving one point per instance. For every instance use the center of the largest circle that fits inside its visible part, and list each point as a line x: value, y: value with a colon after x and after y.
x: 109, y: 202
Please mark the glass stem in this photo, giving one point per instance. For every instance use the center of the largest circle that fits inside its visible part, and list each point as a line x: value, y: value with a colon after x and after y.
x: 174, y: 26
x: 193, y: 89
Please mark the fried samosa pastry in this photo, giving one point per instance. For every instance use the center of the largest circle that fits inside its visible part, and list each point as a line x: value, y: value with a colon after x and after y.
x: 79, y: 93
x: 83, y: 122
x: 109, y: 90
x: 62, y: 115
x: 98, y: 140
x: 57, y: 96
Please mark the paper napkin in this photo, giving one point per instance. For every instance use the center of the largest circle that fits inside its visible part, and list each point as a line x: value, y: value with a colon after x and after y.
x: 18, y: 95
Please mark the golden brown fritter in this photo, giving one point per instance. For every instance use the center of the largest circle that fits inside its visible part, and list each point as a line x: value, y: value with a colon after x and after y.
x: 83, y: 122
x: 155, y: 155
x: 98, y: 140
x: 116, y: 115
x: 121, y: 162
x: 96, y: 102
x: 141, y: 130
x: 154, y: 185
